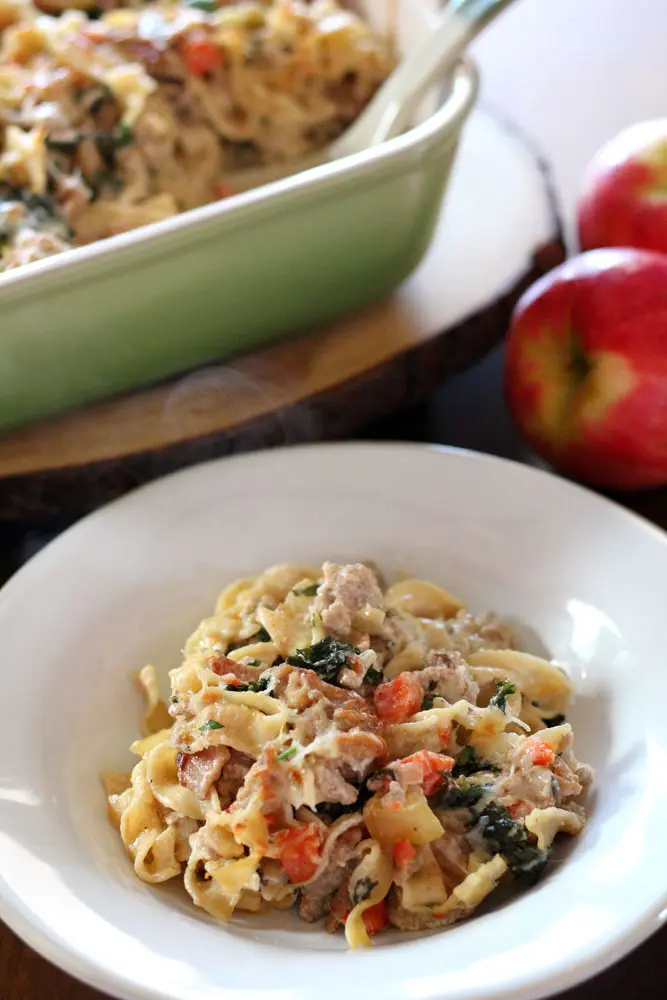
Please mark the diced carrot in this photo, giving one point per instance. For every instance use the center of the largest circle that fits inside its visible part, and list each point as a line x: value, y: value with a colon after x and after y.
x: 201, y: 56
x: 231, y: 680
x: 519, y: 809
x: 431, y: 782
x: 397, y: 700
x: 539, y: 752
x: 432, y: 767
x: 445, y: 736
x: 300, y: 851
x: 404, y: 852
x: 376, y: 917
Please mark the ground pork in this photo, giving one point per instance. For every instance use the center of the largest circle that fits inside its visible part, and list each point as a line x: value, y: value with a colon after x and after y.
x: 343, y: 591
x: 469, y: 633
x: 451, y: 851
x: 315, y: 704
x: 447, y: 674
x: 232, y: 776
x: 316, y: 896
x: 266, y: 784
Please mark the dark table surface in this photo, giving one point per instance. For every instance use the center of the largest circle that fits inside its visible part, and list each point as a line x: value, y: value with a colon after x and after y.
x: 468, y: 412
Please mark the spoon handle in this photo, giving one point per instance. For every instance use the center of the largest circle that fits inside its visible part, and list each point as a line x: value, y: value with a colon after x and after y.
x: 459, y: 23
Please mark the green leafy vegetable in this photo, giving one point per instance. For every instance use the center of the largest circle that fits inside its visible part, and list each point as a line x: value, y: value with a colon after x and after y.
x: 428, y: 702
x: 509, y: 837
x: 557, y: 720
x: 66, y: 146
x: 256, y: 687
x: 308, y: 591
x: 326, y: 657
x: 122, y: 135
x: 362, y: 890
x: 373, y: 676
x: 208, y: 6
x: 468, y: 763
x: 210, y: 725
x: 462, y: 795
x: 261, y: 635
x: 503, y: 690
x: 287, y: 754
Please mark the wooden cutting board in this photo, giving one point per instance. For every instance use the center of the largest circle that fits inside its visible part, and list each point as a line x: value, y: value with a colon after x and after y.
x: 499, y: 231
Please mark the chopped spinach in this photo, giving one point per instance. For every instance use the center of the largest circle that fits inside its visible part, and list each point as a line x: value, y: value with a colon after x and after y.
x: 509, y: 837
x: 503, y: 690
x: 468, y: 763
x: 122, y: 135
x: 373, y: 676
x: 287, y: 754
x: 210, y: 725
x: 326, y: 657
x: 108, y: 143
x: 556, y: 720
x: 428, y: 702
x: 308, y: 591
x: 67, y: 146
x: 41, y: 213
x: 362, y: 890
x: 261, y: 635
x: 461, y: 795
x: 260, y: 684
x: 208, y: 6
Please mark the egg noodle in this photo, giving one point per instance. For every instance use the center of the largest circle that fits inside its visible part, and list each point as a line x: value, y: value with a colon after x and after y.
x: 112, y: 119
x: 373, y: 758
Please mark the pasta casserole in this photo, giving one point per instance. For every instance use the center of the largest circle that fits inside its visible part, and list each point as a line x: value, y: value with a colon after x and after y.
x: 374, y: 757
x: 114, y: 118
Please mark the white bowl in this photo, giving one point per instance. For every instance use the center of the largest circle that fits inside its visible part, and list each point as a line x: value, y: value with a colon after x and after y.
x: 584, y: 579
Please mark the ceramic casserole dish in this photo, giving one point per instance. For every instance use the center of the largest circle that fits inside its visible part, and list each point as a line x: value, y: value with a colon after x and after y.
x: 222, y: 279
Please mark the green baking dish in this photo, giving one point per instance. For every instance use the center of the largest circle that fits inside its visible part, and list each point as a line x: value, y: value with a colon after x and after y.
x: 223, y: 279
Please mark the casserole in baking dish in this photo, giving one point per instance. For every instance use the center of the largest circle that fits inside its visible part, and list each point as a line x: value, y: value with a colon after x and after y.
x: 221, y: 279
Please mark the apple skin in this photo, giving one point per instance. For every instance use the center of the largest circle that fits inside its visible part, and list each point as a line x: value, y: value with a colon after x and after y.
x: 623, y: 202
x: 586, y: 368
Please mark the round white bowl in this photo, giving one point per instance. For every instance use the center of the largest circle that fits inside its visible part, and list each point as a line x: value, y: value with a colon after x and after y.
x: 585, y: 581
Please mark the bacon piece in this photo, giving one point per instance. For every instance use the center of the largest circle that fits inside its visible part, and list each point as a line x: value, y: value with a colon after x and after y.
x: 199, y: 771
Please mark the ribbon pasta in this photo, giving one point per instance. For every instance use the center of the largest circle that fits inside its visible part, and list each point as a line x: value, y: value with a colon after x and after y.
x: 375, y: 758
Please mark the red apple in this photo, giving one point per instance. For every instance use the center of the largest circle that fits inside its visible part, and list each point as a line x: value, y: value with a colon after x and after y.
x: 624, y: 197
x: 586, y: 368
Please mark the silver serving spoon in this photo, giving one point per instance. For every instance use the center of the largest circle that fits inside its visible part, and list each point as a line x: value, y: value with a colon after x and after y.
x: 390, y: 110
